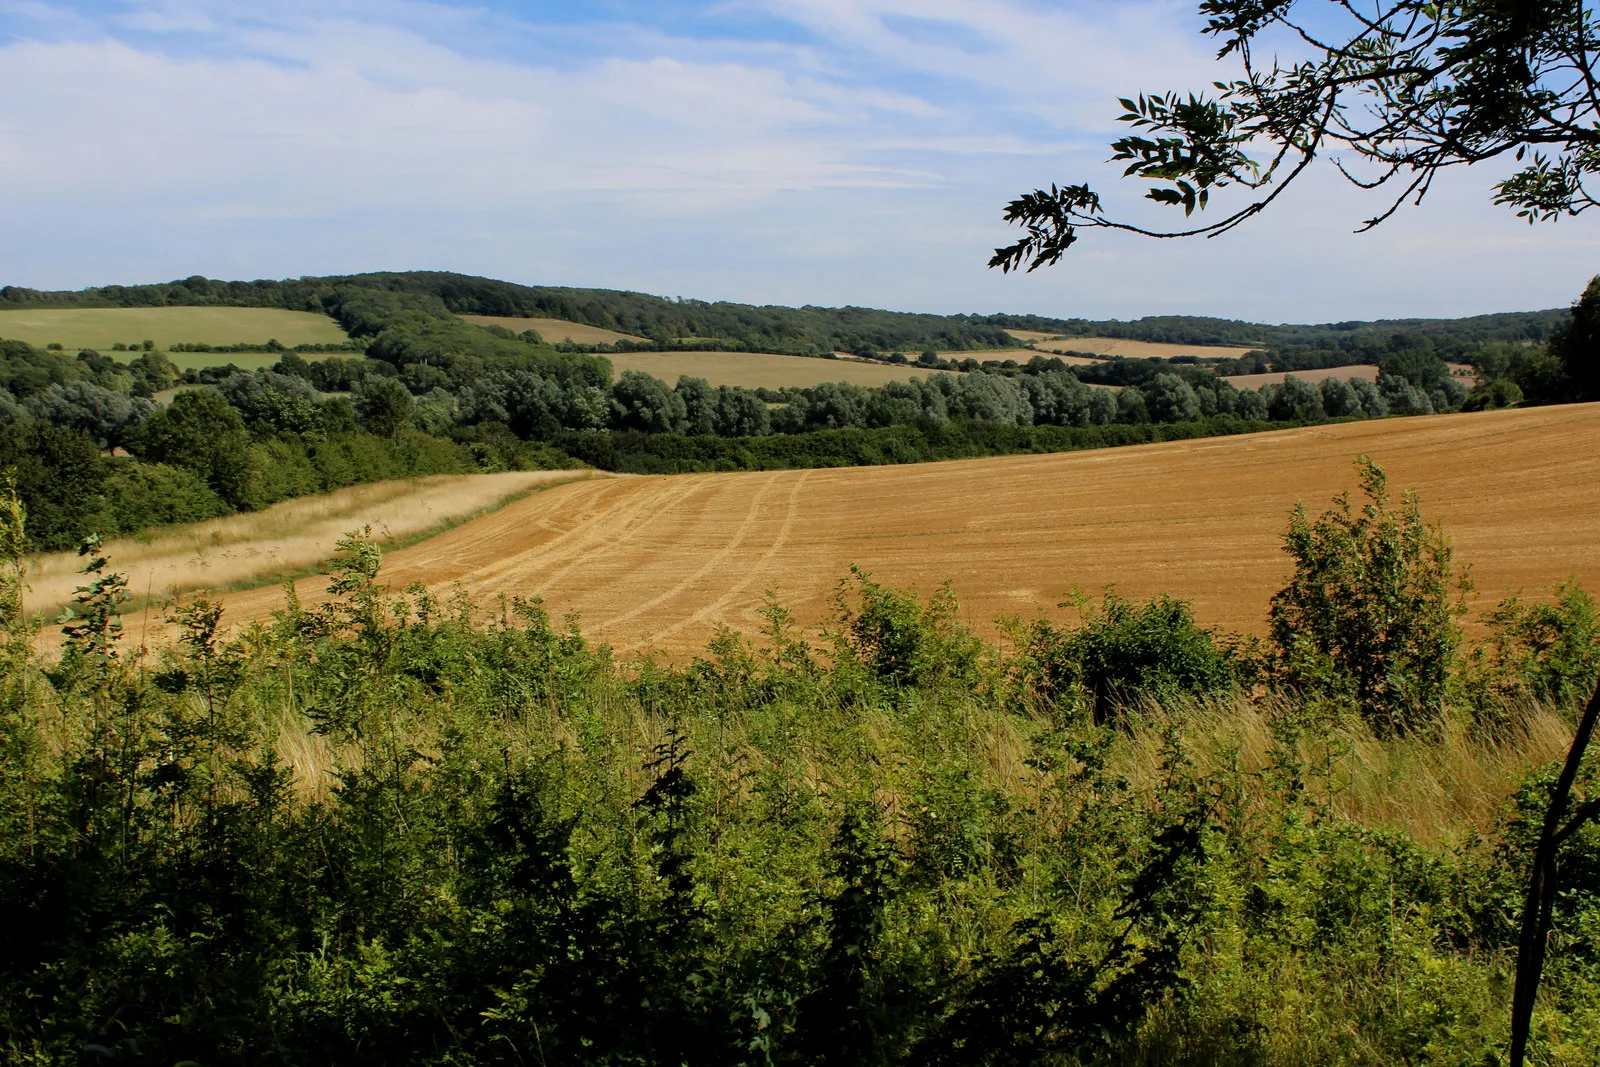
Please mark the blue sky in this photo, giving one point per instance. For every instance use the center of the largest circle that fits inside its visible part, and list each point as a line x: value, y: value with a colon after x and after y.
x: 771, y: 151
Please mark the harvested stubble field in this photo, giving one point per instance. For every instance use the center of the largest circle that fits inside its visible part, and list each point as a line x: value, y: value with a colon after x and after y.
x: 100, y: 328
x: 554, y: 330
x: 757, y: 369
x: 1256, y: 381
x: 657, y: 562
x: 1116, y: 346
x: 290, y: 538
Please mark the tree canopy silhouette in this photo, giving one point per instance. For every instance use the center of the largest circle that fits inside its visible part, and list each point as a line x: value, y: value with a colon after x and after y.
x: 1402, y: 90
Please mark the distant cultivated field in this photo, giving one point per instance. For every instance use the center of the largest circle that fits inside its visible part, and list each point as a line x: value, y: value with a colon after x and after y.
x: 286, y: 539
x: 755, y: 369
x: 1256, y: 381
x: 553, y: 330
x: 1074, y: 361
x: 100, y: 328
x: 1116, y: 346
x: 657, y: 562
x: 1021, y: 355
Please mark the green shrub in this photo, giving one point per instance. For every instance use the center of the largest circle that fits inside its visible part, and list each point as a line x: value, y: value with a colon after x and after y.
x: 1500, y: 393
x: 282, y: 469
x: 898, y: 640
x: 1122, y: 651
x: 1370, y: 612
x: 349, y: 459
x: 1549, y: 651
x: 60, y: 478
x: 199, y: 432
x: 139, y: 495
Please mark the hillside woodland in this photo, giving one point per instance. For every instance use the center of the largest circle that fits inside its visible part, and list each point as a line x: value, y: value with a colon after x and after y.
x: 422, y: 392
x: 399, y: 828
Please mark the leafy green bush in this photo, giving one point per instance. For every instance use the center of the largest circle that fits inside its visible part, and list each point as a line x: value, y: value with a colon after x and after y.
x: 1370, y: 612
x: 59, y: 476
x: 1488, y: 396
x: 199, y: 432
x: 138, y: 495
x: 1122, y: 651
x: 898, y: 640
x: 1547, y: 651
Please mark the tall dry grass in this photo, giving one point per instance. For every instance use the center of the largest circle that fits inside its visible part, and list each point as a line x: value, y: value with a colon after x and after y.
x: 288, y: 538
x: 1442, y: 788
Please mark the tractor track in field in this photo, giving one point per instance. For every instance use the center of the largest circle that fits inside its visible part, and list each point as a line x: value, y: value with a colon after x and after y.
x: 655, y: 563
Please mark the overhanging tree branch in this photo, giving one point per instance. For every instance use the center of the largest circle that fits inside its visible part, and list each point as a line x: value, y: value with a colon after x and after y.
x: 1414, y: 87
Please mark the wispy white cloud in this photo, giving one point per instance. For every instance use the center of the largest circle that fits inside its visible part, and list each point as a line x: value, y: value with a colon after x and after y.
x: 862, y: 156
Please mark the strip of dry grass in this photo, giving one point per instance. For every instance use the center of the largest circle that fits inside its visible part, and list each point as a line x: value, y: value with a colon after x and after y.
x: 287, y: 539
x: 1440, y: 789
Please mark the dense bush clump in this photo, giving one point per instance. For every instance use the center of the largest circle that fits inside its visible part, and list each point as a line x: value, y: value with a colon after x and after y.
x: 1125, y: 651
x: 1369, y: 615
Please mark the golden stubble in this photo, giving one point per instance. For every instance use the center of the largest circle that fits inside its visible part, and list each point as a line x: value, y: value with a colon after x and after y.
x: 654, y: 563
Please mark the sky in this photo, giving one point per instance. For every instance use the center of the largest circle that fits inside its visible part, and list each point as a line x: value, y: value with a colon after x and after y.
x: 767, y: 151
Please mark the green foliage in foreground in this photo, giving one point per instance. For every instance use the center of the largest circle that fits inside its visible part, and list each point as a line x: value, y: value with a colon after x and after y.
x: 398, y: 830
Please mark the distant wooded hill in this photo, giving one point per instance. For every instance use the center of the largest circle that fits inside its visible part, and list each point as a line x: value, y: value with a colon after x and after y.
x: 804, y: 330
x: 1448, y: 337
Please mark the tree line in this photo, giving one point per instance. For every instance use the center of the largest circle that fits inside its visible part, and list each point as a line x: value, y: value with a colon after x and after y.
x: 804, y: 331
x: 1451, y: 335
x: 809, y: 330
x: 424, y: 392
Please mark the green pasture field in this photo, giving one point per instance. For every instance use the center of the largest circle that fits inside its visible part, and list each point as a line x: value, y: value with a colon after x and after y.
x: 100, y: 328
x: 754, y: 370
